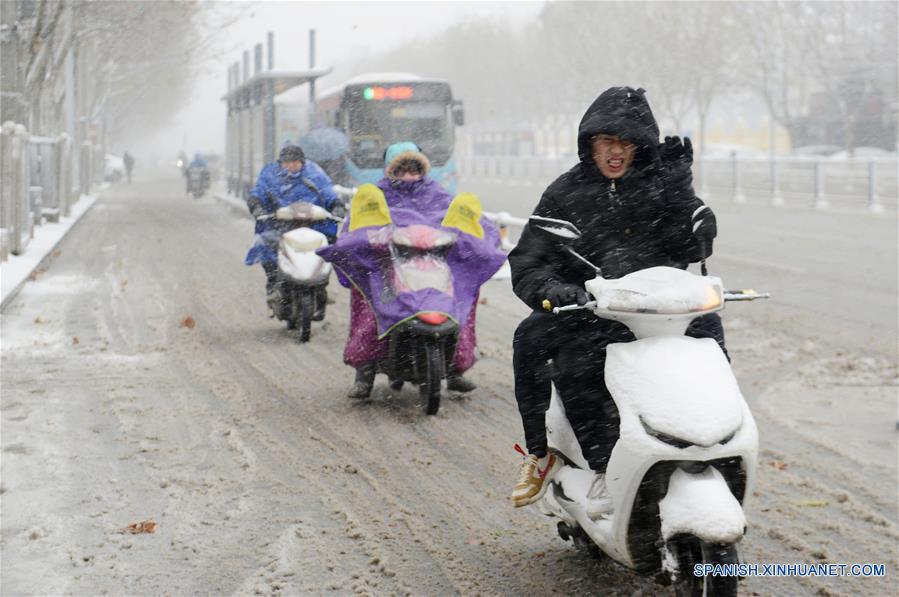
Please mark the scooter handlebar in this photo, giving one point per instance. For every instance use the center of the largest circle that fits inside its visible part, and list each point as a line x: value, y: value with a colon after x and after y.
x: 267, y: 217
x: 747, y: 294
x: 557, y: 310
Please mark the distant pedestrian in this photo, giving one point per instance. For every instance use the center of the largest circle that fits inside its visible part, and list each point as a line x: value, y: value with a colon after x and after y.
x: 129, y: 164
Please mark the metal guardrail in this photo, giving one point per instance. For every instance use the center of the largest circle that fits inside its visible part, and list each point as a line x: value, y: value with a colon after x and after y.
x: 36, y: 182
x: 864, y: 184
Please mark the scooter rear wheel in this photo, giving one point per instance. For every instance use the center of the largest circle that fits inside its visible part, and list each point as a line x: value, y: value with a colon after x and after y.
x: 429, y: 391
x: 307, y: 306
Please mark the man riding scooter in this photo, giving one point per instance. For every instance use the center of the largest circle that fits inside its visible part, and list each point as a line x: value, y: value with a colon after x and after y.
x: 292, y: 178
x: 633, y: 201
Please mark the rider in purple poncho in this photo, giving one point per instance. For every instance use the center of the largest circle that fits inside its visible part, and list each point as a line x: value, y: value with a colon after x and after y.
x: 415, y: 199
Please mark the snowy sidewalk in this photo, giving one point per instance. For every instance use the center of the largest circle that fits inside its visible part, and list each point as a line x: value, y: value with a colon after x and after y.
x: 17, y: 269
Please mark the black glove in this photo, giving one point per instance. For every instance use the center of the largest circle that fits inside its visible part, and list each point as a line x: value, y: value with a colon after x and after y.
x: 677, y: 161
x: 338, y: 210
x: 705, y: 229
x: 561, y: 294
x: 255, y: 206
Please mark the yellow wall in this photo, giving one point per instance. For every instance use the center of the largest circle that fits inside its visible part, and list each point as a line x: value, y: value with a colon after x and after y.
x: 740, y: 133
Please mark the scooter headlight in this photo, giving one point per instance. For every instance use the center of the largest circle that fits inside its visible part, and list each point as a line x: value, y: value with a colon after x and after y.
x: 664, y: 437
x: 678, y: 442
x: 728, y: 438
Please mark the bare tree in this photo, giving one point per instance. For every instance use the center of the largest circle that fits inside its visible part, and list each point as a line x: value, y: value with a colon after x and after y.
x: 850, y: 49
x: 687, y: 55
x: 135, y: 59
x: 807, y: 60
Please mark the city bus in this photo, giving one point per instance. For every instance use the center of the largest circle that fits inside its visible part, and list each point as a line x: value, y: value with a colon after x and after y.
x: 376, y: 110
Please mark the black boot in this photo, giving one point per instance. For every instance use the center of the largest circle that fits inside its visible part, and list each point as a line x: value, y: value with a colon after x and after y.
x: 321, y: 300
x: 455, y: 382
x: 271, y: 280
x: 365, y: 379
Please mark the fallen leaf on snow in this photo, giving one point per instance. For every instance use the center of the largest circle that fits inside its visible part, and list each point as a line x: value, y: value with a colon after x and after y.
x: 142, y: 527
x: 75, y: 340
x: 778, y: 464
x: 39, y: 320
x: 36, y: 274
x: 188, y: 322
x: 812, y: 503
x: 482, y: 300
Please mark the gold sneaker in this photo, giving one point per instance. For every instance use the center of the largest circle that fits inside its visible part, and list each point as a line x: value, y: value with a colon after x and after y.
x: 535, y: 472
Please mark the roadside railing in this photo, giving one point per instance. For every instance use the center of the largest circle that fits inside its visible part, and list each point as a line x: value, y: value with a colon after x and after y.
x: 844, y: 185
x: 37, y: 178
x: 862, y: 184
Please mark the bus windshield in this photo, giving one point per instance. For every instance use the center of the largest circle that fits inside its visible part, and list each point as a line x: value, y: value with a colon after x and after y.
x: 374, y: 126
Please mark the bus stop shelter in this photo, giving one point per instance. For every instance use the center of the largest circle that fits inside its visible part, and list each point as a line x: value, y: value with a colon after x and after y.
x: 251, y: 134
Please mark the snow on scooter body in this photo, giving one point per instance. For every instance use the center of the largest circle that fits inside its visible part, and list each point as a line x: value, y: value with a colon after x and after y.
x: 685, y: 460
x: 302, y: 274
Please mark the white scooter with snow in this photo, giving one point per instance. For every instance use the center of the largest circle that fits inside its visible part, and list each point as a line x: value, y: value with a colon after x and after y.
x: 684, y: 464
x: 300, y: 294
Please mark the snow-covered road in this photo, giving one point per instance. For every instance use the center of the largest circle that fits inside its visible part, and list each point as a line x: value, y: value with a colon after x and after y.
x: 263, y: 478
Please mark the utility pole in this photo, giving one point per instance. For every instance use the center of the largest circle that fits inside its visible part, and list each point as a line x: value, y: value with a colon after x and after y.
x: 311, y: 82
x: 271, y: 149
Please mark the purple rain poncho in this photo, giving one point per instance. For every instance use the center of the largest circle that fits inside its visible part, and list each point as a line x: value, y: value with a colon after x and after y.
x: 361, y: 264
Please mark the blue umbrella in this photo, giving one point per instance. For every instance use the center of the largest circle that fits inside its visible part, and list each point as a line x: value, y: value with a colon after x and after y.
x: 324, y: 144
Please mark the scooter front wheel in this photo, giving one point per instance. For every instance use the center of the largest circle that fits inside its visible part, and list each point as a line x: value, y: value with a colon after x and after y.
x: 429, y: 391
x: 690, y: 551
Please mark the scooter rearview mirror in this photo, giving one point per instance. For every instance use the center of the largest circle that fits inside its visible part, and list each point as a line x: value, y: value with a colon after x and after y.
x: 553, y: 230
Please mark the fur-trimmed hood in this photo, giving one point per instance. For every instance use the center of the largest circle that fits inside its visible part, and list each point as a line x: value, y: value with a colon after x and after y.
x: 399, y: 152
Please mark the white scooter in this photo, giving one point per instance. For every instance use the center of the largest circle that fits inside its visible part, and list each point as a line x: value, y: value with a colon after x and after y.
x: 300, y: 293
x: 684, y: 464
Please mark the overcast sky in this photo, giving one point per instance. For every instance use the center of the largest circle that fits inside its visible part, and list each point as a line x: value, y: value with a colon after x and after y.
x: 343, y: 30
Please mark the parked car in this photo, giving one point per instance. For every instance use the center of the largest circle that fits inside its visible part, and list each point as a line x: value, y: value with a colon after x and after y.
x: 864, y: 153
x: 814, y: 151
x: 115, y: 168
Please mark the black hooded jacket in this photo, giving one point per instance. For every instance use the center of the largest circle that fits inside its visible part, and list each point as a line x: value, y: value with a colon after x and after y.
x: 640, y: 220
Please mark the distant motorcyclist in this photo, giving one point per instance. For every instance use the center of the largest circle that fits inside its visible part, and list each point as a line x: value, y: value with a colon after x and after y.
x: 633, y: 201
x: 200, y: 165
x: 199, y: 161
x: 290, y: 179
x: 407, y: 186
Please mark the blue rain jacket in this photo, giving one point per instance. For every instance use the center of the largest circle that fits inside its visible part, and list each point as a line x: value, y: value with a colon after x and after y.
x: 276, y: 187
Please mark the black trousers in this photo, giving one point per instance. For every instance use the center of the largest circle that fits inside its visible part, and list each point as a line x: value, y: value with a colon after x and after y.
x: 271, y: 275
x: 575, y: 344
